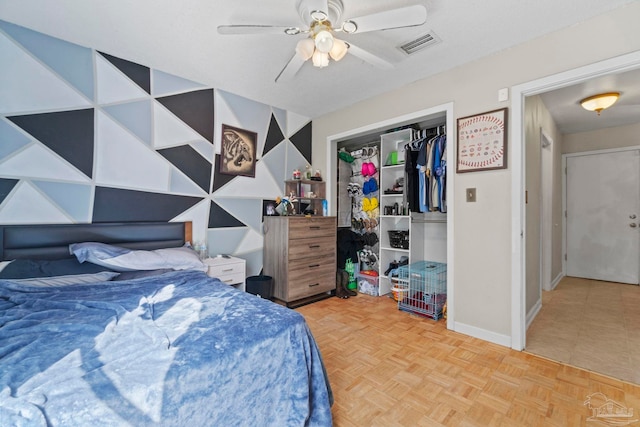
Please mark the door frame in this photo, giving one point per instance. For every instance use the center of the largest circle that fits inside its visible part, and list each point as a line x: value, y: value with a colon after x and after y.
x: 564, y: 189
x: 518, y: 220
x: 547, y: 145
x: 406, y: 119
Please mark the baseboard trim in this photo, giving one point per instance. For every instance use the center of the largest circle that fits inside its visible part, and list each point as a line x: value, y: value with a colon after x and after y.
x: 483, y: 334
x: 533, y: 312
x: 557, y: 280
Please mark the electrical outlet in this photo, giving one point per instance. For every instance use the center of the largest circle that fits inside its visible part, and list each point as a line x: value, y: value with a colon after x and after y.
x: 471, y: 194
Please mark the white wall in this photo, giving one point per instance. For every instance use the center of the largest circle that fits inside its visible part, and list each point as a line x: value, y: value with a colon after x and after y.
x: 601, y: 139
x: 538, y: 119
x: 482, y: 240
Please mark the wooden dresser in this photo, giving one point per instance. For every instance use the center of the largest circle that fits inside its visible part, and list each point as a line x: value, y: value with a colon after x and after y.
x: 300, y: 255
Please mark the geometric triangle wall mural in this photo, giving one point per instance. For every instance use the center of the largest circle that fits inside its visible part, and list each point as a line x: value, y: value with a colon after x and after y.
x: 140, y: 74
x: 114, y: 205
x: 220, y: 179
x: 302, y: 141
x: 190, y: 163
x: 194, y: 108
x: 6, y: 185
x: 218, y: 217
x: 274, y: 136
x: 68, y: 133
x: 143, y: 150
x: 72, y: 62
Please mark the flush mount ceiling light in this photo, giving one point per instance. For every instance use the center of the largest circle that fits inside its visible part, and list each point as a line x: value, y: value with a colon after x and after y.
x: 600, y: 102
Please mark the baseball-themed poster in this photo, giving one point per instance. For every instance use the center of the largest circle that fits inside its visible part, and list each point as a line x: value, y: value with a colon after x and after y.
x: 482, y: 141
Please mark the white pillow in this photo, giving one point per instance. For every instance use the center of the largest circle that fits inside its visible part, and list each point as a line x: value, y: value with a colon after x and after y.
x: 122, y: 259
x: 73, y: 279
x: 3, y: 264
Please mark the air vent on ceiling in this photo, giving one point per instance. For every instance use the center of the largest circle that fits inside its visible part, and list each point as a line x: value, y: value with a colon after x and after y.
x: 419, y: 43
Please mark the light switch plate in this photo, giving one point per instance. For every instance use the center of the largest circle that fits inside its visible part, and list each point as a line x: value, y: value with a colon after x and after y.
x: 471, y: 194
x: 503, y: 94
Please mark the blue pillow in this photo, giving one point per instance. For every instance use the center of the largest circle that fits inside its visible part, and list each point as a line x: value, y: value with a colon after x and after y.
x: 74, y: 279
x: 130, y: 275
x: 122, y: 259
x: 29, y: 268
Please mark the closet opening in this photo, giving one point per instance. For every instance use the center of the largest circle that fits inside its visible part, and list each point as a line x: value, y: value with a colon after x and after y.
x: 398, y: 219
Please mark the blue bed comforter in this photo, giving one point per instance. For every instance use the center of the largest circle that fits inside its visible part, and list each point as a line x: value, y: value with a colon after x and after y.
x: 180, y: 349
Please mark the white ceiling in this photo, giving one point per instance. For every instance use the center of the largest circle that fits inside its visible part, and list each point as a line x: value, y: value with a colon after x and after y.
x: 564, y: 103
x: 180, y: 37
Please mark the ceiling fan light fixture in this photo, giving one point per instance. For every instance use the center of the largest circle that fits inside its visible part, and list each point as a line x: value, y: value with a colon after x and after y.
x: 339, y: 50
x: 600, y: 102
x: 320, y: 59
x: 324, y: 41
x: 305, y: 48
x: 349, y: 27
x: 292, y: 31
x: 318, y: 15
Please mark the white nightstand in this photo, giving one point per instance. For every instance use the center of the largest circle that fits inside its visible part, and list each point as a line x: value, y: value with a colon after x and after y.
x: 231, y: 270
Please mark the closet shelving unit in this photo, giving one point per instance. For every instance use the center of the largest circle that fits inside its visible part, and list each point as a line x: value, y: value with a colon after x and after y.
x: 389, y: 174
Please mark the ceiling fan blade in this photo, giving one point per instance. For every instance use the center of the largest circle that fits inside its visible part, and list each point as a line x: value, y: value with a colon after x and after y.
x: 257, y: 29
x: 291, y: 69
x: 409, y: 16
x: 369, y: 57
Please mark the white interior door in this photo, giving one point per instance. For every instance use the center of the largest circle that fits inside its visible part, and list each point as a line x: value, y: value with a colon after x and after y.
x: 603, y: 205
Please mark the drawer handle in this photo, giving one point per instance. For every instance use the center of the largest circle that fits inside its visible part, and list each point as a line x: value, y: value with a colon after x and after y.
x: 315, y: 284
x: 314, y: 265
x: 314, y: 246
x: 314, y: 227
x: 227, y: 269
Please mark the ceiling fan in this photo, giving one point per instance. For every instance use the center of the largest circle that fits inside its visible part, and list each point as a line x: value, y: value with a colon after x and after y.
x: 320, y: 42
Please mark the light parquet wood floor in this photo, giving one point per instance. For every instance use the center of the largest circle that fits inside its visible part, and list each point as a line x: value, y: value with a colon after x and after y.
x: 391, y: 368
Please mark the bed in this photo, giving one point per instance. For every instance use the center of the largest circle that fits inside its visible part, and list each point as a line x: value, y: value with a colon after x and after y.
x: 159, y: 347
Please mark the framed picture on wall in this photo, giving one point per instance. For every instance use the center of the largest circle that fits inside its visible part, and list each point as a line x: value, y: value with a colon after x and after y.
x: 238, y: 151
x: 482, y: 141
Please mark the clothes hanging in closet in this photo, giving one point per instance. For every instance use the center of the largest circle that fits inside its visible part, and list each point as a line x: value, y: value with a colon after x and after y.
x: 425, y: 167
x: 411, y: 181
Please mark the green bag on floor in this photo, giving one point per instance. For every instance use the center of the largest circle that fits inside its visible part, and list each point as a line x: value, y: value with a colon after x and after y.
x: 349, y: 268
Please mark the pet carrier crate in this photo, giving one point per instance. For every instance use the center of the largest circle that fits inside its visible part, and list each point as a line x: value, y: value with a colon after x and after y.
x: 424, y: 288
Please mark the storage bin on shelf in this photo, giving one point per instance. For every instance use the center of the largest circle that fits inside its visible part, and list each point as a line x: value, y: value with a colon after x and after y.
x: 399, y: 239
x: 426, y: 291
x: 368, y: 284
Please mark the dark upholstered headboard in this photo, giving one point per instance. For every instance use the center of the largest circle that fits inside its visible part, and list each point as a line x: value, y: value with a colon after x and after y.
x: 51, y: 241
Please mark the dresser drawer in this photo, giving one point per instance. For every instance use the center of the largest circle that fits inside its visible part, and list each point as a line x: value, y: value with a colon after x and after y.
x: 311, y: 276
x: 300, y: 228
x: 311, y: 266
x: 226, y: 269
x: 230, y: 279
x: 316, y: 247
x: 304, y: 286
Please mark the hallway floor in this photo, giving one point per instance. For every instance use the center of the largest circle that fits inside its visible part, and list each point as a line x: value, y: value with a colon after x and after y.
x: 590, y: 324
